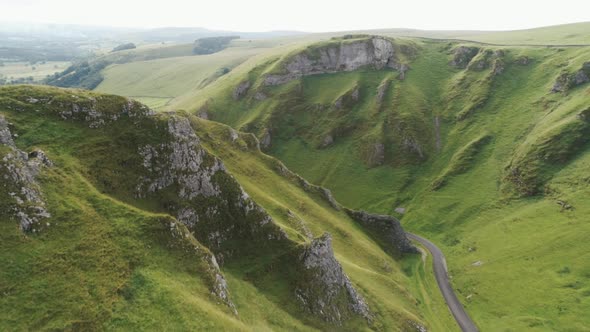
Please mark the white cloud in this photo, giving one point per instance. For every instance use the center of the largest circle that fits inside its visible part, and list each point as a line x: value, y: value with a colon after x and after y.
x: 306, y: 15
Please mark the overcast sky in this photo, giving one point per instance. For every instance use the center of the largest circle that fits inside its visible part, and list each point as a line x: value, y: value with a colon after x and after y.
x: 303, y: 15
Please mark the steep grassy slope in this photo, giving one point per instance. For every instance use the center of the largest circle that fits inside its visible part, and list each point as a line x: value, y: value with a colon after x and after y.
x: 116, y: 234
x: 485, y: 147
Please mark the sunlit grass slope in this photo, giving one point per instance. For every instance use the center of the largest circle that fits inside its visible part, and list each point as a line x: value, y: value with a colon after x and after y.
x: 487, y: 161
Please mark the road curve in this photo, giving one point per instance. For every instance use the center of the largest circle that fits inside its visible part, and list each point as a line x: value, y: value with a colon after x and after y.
x: 442, y: 278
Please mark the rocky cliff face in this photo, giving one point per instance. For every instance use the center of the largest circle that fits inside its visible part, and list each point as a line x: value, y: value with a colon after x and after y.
x: 218, y: 284
x: 241, y: 90
x: 385, y: 227
x: 462, y: 56
x: 19, y: 172
x: 567, y: 81
x: 208, y: 200
x: 325, y: 289
x: 181, y: 163
x: 376, y: 52
x: 220, y: 214
x: 91, y: 111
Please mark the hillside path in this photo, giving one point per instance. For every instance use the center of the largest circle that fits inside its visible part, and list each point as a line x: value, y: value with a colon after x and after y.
x: 442, y: 278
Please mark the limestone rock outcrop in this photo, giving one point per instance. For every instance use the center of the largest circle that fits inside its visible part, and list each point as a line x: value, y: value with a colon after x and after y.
x: 241, y: 90
x: 266, y: 139
x: 347, y: 55
x: 566, y: 81
x: 206, y: 199
x: 212, y: 203
x: 181, y: 161
x: 19, y: 172
x: 218, y: 284
x: 462, y: 56
x: 328, y: 196
x: 387, y: 228
x: 324, y: 289
x: 327, y: 141
x: 89, y: 111
x: 523, y: 60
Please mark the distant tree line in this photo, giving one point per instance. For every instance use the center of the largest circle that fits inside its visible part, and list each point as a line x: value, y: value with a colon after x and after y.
x: 122, y: 47
x: 85, y: 75
x: 21, y: 80
x: 211, y: 45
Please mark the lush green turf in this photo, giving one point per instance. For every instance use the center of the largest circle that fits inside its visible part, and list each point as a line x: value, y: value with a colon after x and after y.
x: 108, y: 260
x: 508, y: 151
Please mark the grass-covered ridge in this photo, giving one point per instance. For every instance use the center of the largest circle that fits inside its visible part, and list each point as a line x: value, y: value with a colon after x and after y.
x: 112, y: 258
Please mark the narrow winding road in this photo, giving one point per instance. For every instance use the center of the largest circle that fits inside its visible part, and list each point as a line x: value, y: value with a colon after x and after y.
x: 442, y: 278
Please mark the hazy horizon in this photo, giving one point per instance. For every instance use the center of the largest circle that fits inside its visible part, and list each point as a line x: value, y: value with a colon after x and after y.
x: 139, y: 28
x: 306, y: 16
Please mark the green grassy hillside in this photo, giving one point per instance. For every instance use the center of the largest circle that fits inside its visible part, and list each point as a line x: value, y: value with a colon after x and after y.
x: 486, y: 147
x: 170, y: 76
x: 167, y: 83
x: 157, y: 82
x: 108, y: 238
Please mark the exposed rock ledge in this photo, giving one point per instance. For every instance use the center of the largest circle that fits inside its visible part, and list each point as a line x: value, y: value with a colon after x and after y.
x: 385, y: 227
x: 20, y: 172
x: 377, y: 52
x: 324, y: 289
x: 567, y: 81
x: 211, y: 203
x: 219, y: 287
